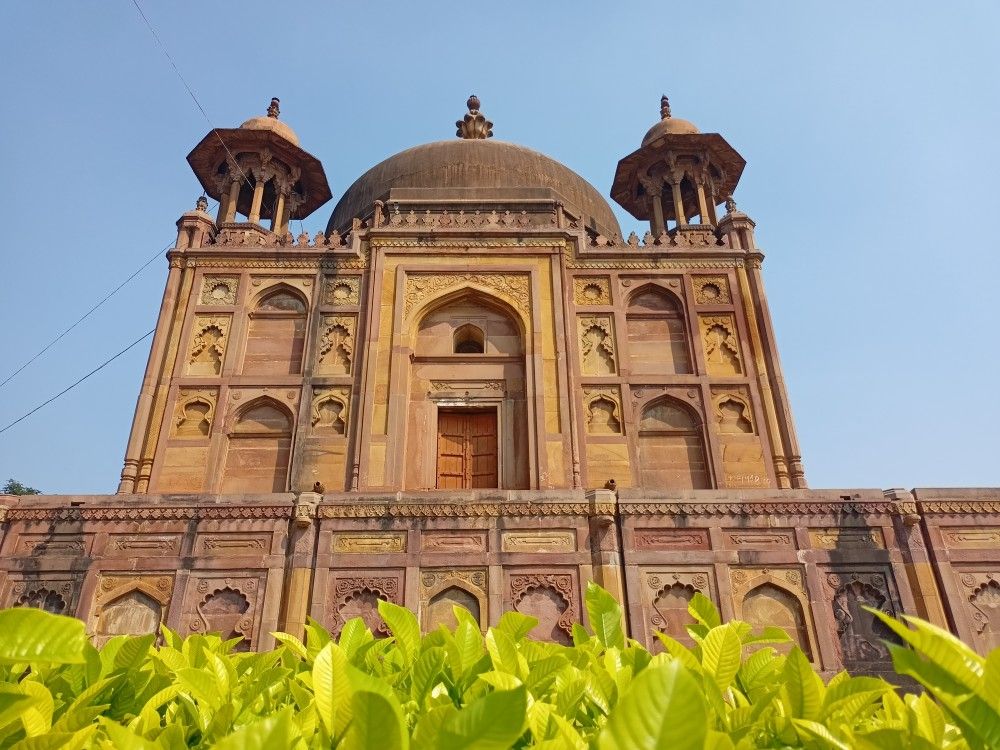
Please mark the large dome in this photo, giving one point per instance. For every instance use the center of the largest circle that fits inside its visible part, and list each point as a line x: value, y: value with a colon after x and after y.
x: 473, y: 163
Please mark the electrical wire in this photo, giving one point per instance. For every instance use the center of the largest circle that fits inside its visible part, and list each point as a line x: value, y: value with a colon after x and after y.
x: 86, y: 315
x: 74, y: 385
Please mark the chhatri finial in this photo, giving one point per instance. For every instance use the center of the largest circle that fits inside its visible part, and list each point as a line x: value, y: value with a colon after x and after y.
x: 275, y: 108
x: 202, y: 204
x: 474, y: 125
x: 664, y: 107
x: 730, y: 204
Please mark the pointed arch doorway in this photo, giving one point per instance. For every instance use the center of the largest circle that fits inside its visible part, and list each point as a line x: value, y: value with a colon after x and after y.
x: 467, y: 449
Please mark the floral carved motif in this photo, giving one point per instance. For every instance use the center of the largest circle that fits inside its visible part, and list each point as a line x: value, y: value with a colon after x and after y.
x: 597, y: 345
x: 666, y: 602
x: 336, y: 347
x: 219, y: 290
x: 226, y: 606
x: 722, y: 350
x: 329, y: 409
x: 194, y: 413
x: 981, y: 591
x: 342, y: 291
x: 549, y: 597
x: 51, y: 595
x: 358, y: 596
x: 512, y: 288
x: 712, y: 290
x: 592, y: 290
x: 442, y: 590
x: 860, y: 634
x: 603, y: 409
x: 208, y: 345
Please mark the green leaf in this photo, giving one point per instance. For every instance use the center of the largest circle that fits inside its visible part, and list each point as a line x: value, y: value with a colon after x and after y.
x: 376, y: 723
x: 704, y: 611
x: 605, y: 616
x: 493, y: 722
x: 133, y: 650
x: 295, y: 645
x: 816, y: 731
x: 720, y: 655
x: 36, y: 637
x: 331, y: 688
x: 124, y: 739
x: 404, y: 626
x: 12, y: 702
x: 516, y: 625
x: 664, y: 709
x: 37, y: 717
x: 277, y: 731
x: 802, y: 687
x: 679, y: 651
x: 426, y: 673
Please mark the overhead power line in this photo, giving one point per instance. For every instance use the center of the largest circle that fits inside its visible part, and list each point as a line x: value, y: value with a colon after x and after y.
x: 74, y: 385
x: 86, y: 315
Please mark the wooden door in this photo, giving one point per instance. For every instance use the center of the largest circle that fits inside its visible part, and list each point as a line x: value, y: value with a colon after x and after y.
x: 467, y: 450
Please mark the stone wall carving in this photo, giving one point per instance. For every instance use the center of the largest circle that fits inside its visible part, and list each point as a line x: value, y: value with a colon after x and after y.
x: 56, y: 545
x: 358, y: 596
x: 129, y: 605
x: 224, y: 605
x: 540, y: 540
x: 454, y: 540
x: 342, y: 291
x: 665, y: 599
x: 859, y: 634
x: 732, y: 411
x: 722, y: 349
x: 512, y: 288
x: 603, y: 410
x: 336, y: 345
x: 48, y: 593
x: 231, y: 544
x: 712, y: 290
x: 597, y: 345
x: 592, y: 290
x: 774, y: 596
x: 219, y: 290
x: 971, y: 538
x: 208, y: 344
x: 549, y: 597
x: 370, y: 542
x: 194, y: 413
x: 144, y: 545
x: 770, y: 539
x: 981, y: 595
x: 671, y: 539
x: 440, y: 590
x: 847, y: 538
x: 329, y: 410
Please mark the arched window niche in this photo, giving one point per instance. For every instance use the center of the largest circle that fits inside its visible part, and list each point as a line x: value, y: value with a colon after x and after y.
x: 260, y: 445
x: 276, y: 334
x: 672, y: 447
x: 469, y: 339
x: 657, y: 333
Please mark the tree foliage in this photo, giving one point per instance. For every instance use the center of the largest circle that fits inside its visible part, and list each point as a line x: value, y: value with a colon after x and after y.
x: 14, y: 487
x: 460, y: 689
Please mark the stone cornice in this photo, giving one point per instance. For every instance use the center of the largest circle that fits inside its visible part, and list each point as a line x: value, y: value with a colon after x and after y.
x: 152, y: 512
x: 803, y: 508
x: 959, y: 506
x: 465, y: 509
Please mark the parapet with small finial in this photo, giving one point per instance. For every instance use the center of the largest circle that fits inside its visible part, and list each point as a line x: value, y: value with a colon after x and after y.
x: 274, y: 108
x: 474, y: 125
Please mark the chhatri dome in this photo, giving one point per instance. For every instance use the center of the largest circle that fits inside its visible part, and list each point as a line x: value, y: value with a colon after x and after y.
x: 478, y: 166
x: 668, y: 125
x: 272, y: 123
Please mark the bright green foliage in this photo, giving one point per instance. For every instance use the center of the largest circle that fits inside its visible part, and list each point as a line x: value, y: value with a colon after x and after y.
x: 460, y: 689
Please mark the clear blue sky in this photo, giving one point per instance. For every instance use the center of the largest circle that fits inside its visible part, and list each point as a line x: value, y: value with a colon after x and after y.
x: 870, y: 131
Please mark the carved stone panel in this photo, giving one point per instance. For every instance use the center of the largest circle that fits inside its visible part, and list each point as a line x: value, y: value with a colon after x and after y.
x: 513, y: 288
x: 847, y: 538
x: 342, y: 291
x: 712, y: 290
x: 143, y: 545
x: 194, y: 413
x: 971, y: 537
x: 671, y: 539
x: 226, y: 605
x: 329, y: 411
x: 981, y: 598
x: 552, y: 598
x: 354, y: 593
x: 231, y: 544
x: 774, y: 596
x: 129, y: 605
x: 464, y: 541
x: 780, y: 540
x: 546, y: 540
x: 219, y: 290
x: 209, y: 338
x: 858, y: 633
x: 665, y: 598
x: 355, y: 542
x: 440, y: 590
x: 721, y: 345
x: 335, y: 354
x: 51, y: 593
x: 598, y: 353
x: 603, y: 410
x: 55, y: 545
x: 592, y: 290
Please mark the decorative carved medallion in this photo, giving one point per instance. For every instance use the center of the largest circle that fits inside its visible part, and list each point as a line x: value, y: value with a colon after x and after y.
x: 592, y: 290
x: 219, y: 290
x: 712, y: 290
x: 512, y: 288
x: 342, y: 291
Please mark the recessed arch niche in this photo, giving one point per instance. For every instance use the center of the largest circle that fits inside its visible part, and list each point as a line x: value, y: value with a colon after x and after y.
x: 658, y: 342
x: 276, y: 332
x: 672, y: 447
x: 260, y: 443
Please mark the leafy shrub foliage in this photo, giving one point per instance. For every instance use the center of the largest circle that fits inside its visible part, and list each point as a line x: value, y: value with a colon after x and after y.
x: 458, y: 689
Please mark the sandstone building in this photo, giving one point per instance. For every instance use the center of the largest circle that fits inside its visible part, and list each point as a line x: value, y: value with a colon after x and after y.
x: 471, y: 390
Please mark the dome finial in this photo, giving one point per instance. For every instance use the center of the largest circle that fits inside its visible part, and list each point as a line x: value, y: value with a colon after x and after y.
x: 664, y: 107
x: 474, y: 125
x: 275, y: 108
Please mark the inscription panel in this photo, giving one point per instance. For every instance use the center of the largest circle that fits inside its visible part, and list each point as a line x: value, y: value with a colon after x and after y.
x: 769, y: 539
x: 145, y: 545
x: 671, y: 539
x: 64, y: 545
x: 454, y: 540
x: 354, y: 542
x: 561, y: 540
x: 846, y: 538
x: 971, y: 538
x: 224, y: 545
